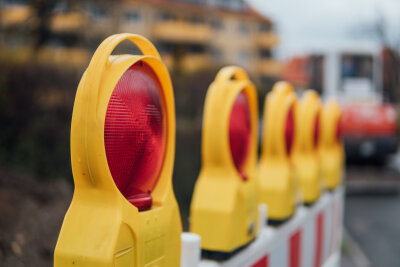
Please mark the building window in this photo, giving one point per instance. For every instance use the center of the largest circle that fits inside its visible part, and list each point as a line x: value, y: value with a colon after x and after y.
x: 217, y: 54
x: 265, y: 27
x: 98, y: 12
x: 264, y: 53
x: 232, y: 4
x: 61, y: 7
x: 196, y: 20
x: 243, y: 56
x: 55, y: 42
x: 132, y: 15
x: 217, y: 24
x: 164, y: 48
x: 165, y: 16
x: 200, y: 2
x: 196, y: 49
x: 16, y: 2
x: 13, y: 41
x: 243, y: 28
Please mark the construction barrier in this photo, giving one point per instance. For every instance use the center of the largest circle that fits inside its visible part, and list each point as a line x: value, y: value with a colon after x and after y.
x: 311, y: 238
x: 124, y: 212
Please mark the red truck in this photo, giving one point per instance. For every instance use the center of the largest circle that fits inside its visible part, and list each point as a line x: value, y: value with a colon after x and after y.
x: 352, y: 74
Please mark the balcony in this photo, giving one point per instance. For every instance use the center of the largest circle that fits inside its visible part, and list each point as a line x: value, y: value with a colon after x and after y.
x: 15, y: 15
x: 182, y: 32
x: 68, y: 22
x: 68, y: 56
x: 189, y: 62
x: 266, y: 39
x: 268, y: 67
x: 193, y: 62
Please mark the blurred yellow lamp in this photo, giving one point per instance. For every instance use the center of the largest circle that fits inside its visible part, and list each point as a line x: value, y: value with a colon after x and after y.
x: 277, y: 184
x: 224, y: 205
x: 124, y: 211
x: 304, y: 156
x: 330, y: 147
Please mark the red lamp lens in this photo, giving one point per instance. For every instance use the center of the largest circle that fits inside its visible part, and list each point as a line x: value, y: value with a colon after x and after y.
x: 239, y: 132
x: 316, y: 131
x: 289, y: 131
x: 135, y: 134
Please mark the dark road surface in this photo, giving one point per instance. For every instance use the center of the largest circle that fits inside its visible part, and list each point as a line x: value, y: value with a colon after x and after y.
x: 373, y: 218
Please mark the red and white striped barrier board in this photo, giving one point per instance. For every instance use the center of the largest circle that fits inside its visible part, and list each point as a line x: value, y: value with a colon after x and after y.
x: 311, y: 238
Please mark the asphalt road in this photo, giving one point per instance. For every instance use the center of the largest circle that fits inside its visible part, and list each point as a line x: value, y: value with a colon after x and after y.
x: 372, y: 213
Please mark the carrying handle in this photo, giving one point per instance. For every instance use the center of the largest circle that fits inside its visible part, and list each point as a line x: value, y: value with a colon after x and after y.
x: 230, y: 73
x: 100, y: 60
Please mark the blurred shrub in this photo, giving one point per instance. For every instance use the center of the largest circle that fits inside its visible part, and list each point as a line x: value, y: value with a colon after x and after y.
x: 35, y: 112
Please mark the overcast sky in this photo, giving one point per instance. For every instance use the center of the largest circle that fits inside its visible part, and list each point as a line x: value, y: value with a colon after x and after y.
x: 301, y: 23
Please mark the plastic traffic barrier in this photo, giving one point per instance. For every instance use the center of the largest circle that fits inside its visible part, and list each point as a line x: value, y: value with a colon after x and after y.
x: 277, y: 184
x: 311, y: 238
x: 306, y: 140
x: 224, y: 204
x: 331, y: 148
x: 123, y: 212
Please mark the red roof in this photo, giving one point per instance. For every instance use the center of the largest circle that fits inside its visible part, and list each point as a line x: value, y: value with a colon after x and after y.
x: 295, y: 72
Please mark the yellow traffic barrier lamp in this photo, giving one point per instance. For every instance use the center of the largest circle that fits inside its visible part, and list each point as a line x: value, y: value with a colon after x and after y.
x: 224, y: 205
x: 304, y: 156
x: 331, y: 148
x: 277, y: 184
x: 123, y: 212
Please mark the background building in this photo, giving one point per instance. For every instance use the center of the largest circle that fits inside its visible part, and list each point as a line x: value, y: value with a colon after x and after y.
x: 190, y: 34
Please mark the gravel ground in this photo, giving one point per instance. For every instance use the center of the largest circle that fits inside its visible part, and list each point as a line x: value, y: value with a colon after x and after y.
x: 31, y: 218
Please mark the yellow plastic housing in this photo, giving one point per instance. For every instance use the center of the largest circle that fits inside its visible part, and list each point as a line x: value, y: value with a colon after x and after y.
x: 224, y: 206
x: 277, y: 184
x: 101, y: 228
x: 331, y: 148
x: 304, y: 156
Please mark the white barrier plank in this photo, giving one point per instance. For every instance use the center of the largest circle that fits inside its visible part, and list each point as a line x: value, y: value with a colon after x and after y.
x: 311, y: 238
